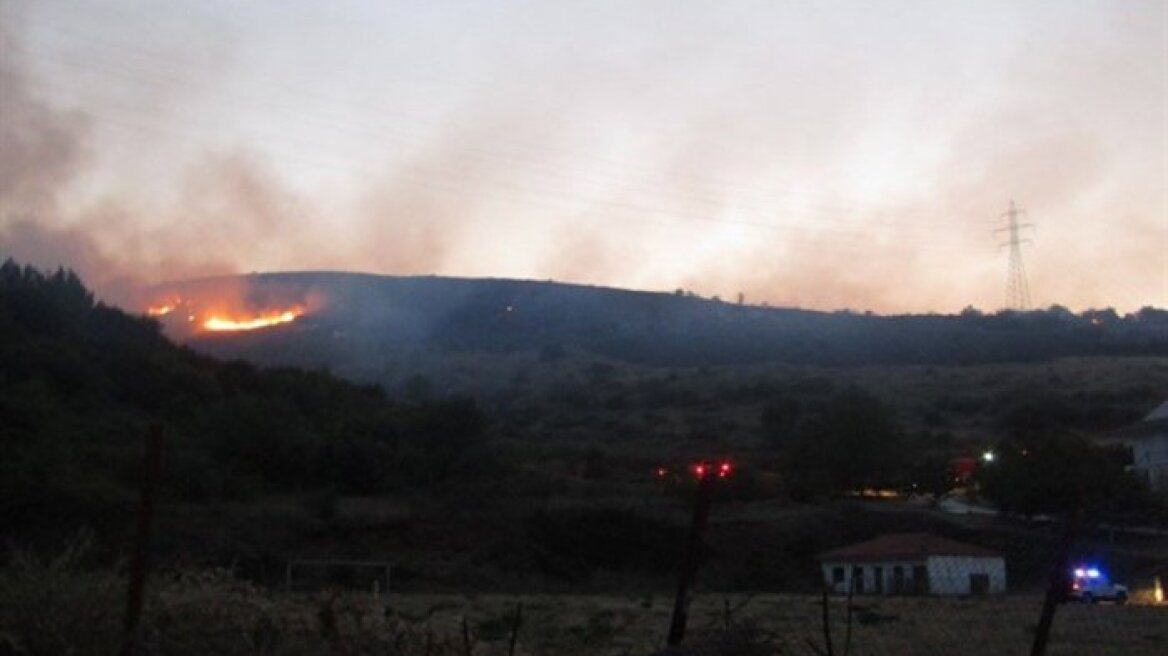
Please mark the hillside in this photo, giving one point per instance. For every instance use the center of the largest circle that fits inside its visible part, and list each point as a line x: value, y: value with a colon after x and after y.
x: 542, y: 481
x: 352, y: 321
x: 80, y: 382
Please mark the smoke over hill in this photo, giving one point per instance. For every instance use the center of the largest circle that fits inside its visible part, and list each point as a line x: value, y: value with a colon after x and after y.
x: 150, y: 143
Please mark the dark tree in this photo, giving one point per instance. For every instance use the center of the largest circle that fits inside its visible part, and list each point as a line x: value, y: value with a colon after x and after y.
x: 846, y: 443
x: 1059, y: 473
x: 780, y: 418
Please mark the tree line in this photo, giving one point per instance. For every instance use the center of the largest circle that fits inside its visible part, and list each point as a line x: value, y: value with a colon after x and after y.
x: 837, y: 441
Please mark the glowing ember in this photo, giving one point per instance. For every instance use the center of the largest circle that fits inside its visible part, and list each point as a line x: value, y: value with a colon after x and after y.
x: 263, y: 320
x: 161, y: 310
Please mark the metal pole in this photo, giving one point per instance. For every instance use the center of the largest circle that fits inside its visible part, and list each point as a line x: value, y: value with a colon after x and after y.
x: 1057, y: 589
x: 691, y: 560
x: 151, y: 466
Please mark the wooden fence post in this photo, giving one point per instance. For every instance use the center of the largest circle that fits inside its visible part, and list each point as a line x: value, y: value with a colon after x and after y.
x: 151, y: 468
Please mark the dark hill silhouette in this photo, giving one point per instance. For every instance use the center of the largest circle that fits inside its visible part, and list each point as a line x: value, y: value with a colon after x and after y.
x: 356, y: 317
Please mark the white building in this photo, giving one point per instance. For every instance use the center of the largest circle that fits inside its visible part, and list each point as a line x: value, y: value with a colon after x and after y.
x: 1148, y: 441
x: 914, y: 563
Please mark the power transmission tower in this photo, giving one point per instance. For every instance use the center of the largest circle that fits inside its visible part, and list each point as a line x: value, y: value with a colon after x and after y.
x: 1017, y: 290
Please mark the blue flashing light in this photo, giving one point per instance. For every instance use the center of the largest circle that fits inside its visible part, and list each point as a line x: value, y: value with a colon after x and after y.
x: 1087, y: 573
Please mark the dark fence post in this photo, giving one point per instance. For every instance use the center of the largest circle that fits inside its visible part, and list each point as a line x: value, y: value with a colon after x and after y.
x: 691, y: 561
x: 151, y: 467
x: 1057, y: 589
x: 516, y: 620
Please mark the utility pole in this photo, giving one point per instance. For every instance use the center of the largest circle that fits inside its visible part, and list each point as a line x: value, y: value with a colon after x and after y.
x: 706, y: 475
x: 1017, y: 289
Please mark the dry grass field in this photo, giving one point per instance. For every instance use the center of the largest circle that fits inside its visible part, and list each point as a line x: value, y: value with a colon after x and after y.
x: 904, y: 626
x: 55, y: 609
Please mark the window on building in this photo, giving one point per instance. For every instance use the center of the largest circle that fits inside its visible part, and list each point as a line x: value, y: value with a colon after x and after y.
x: 837, y: 575
x: 898, y: 580
x: 920, y: 579
x: 979, y: 584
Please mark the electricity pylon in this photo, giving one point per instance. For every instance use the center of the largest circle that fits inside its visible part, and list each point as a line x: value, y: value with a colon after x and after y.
x: 1017, y: 289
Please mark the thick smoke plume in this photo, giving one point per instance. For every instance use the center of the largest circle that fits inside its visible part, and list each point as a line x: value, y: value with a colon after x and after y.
x: 724, y: 151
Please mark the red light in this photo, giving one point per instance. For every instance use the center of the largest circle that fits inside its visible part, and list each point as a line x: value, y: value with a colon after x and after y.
x: 703, y: 470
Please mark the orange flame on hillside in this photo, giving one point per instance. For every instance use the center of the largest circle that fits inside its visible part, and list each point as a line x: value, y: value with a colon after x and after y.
x: 162, y: 309
x: 221, y: 323
x: 200, y: 308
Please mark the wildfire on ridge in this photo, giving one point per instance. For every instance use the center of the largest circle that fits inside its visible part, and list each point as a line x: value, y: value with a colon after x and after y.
x: 161, y: 310
x: 220, y: 319
x: 220, y: 323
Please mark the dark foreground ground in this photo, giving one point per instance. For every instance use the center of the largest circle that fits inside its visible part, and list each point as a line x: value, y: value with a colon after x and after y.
x: 51, y: 610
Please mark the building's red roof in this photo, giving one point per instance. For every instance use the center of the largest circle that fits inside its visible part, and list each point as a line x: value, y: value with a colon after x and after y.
x: 906, y: 546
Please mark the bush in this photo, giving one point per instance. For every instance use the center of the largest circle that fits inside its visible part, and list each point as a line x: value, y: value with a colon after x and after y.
x: 56, y: 607
x: 59, y: 607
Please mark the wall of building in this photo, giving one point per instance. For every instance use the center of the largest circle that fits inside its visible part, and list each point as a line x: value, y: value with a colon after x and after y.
x: 950, y: 575
x: 946, y: 575
x: 873, y: 577
x: 1150, y: 460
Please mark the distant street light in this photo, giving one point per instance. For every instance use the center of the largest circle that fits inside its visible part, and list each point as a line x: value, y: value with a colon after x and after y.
x: 988, y: 456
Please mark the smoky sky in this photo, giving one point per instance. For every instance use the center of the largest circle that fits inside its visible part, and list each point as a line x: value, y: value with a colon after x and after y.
x: 839, y: 154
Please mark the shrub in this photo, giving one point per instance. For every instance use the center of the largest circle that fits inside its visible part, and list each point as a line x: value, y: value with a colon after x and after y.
x: 58, y: 607
x: 54, y: 607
